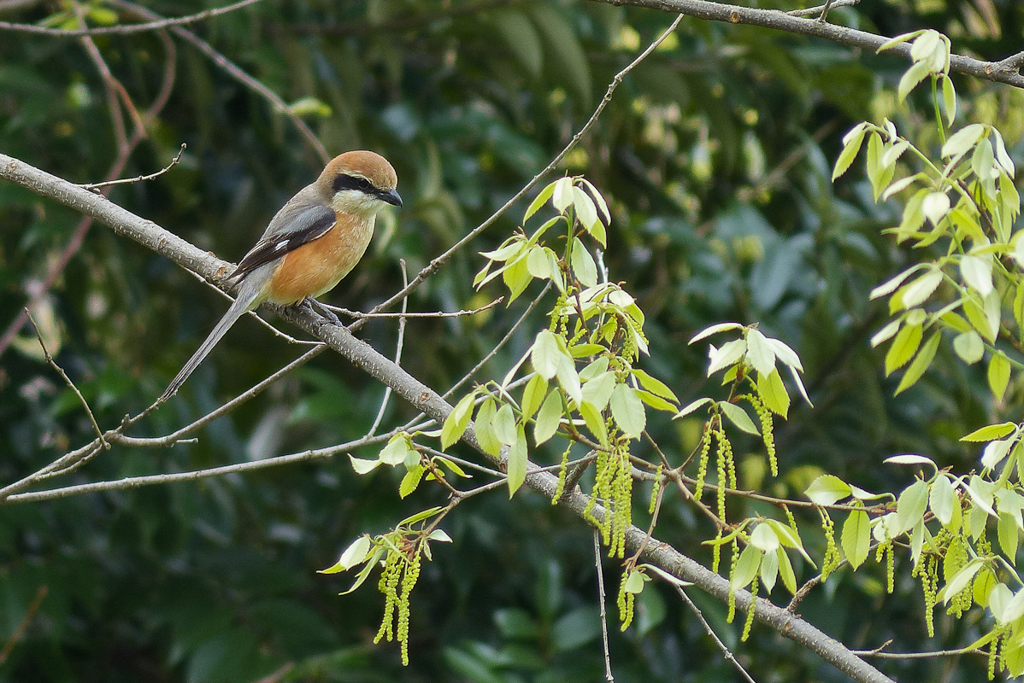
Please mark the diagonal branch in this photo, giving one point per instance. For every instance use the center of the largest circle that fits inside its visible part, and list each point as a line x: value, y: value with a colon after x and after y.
x: 425, y: 399
x: 1006, y: 71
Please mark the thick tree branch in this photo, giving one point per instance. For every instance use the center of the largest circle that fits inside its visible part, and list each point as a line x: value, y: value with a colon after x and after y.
x: 1006, y: 71
x: 426, y: 400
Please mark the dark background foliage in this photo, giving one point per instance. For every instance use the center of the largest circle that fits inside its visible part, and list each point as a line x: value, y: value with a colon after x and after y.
x: 715, y: 155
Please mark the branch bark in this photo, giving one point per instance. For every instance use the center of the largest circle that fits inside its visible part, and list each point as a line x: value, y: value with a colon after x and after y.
x: 425, y: 399
x: 1006, y: 71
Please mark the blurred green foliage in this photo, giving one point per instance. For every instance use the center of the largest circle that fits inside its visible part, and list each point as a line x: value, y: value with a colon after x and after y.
x: 715, y: 155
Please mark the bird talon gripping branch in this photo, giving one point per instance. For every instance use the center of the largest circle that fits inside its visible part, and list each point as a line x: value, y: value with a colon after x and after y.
x: 316, y: 238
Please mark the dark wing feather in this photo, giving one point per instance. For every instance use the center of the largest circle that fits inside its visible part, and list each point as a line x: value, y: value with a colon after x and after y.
x: 307, y: 226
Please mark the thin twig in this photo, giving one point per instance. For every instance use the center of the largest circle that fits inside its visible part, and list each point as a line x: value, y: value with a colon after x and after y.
x: 877, y: 653
x: 403, y: 315
x: 600, y: 601
x: 398, y: 351
x: 137, y: 179
x: 436, y: 264
x: 163, y: 479
x: 821, y: 10
x: 67, y: 380
x: 714, y: 636
x: 19, y: 632
x: 125, y: 28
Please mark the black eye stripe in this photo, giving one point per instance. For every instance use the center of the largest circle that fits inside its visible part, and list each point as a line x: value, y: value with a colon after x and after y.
x: 348, y: 182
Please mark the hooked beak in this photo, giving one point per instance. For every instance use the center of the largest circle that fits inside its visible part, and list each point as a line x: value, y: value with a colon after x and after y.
x: 391, y: 197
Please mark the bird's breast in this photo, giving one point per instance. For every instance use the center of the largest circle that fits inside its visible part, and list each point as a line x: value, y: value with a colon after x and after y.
x: 316, y: 267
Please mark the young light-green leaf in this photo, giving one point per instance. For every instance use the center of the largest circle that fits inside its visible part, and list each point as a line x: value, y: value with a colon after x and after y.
x: 998, y: 375
x: 517, y: 459
x: 828, y: 489
x: 739, y: 417
x: 773, y: 392
x: 548, y: 418
x: 856, y: 538
x: 628, y: 411
x: 921, y: 363
x: 457, y: 421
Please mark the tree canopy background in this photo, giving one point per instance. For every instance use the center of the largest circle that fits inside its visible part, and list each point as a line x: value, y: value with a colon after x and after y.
x: 715, y: 155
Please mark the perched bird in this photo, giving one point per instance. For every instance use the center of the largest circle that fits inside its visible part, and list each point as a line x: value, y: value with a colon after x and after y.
x: 316, y: 238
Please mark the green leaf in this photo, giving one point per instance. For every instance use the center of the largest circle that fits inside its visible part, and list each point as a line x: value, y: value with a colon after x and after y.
x: 586, y: 212
x: 562, y: 197
x: 654, y: 385
x: 533, y: 395
x: 545, y: 353
x: 634, y: 582
x: 786, y: 571
x: 769, y: 570
x: 903, y: 348
x: 764, y: 538
x: 963, y: 140
x: 656, y: 402
x: 828, y: 490
x: 583, y: 264
x: 759, y: 353
x: 548, y: 419
x: 959, y: 581
x: 746, y: 568
x: 692, y: 406
x: 911, y: 506
x: 595, y: 422
x: 917, y: 72
x: 394, y: 453
x: 484, y: 427
x: 969, y: 346
x: 457, y: 421
x: 1009, y: 536
x: 364, y: 466
x: 714, y: 329
x: 505, y: 425
x: 990, y: 432
x: 598, y: 390
x: 998, y: 375
x: 517, y: 459
x: 851, y: 146
x: 773, y: 392
x: 628, y: 411
x: 739, y: 417
x: 517, y: 278
x: 942, y: 498
x: 411, y: 480
x: 921, y: 362
x: 354, y: 555
x: 856, y: 537
x: 539, y: 200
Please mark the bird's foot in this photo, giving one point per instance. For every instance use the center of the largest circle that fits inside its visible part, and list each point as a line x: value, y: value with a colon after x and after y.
x: 316, y: 307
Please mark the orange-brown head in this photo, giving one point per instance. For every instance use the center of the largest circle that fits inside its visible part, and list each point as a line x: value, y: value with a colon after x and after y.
x: 359, y: 182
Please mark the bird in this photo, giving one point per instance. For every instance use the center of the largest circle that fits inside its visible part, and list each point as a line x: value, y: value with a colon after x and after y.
x: 311, y: 243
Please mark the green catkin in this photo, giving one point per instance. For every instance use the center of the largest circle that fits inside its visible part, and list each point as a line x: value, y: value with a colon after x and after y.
x: 993, y: 656
x: 702, y: 463
x: 721, y: 460
x: 561, y: 476
x: 832, y: 559
x: 625, y: 603
x: 655, y: 489
x: 716, y: 552
x: 750, y: 612
x: 956, y: 559
x: 732, y: 570
x: 767, y: 432
x: 926, y: 571
x: 388, y: 586
x: 890, y: 567
x: 730, y: 466
x: 410, y: 575
x: 623, y: 503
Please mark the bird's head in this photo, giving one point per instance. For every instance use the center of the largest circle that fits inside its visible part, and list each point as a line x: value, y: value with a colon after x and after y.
x: 359, y: 182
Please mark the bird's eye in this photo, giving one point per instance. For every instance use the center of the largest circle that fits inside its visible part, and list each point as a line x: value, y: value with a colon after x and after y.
x: 350, y: 182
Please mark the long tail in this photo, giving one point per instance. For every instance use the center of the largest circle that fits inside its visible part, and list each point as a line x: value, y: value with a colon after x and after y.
x: 246, y: 301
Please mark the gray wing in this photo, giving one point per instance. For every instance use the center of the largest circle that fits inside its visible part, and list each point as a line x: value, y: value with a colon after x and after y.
x: 291, y: 228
